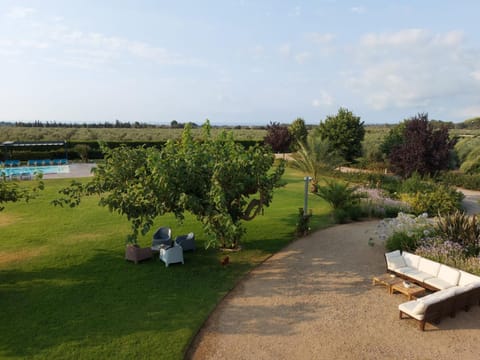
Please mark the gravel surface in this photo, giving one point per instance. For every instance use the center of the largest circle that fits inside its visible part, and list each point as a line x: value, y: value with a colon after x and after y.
x: 315, y: 300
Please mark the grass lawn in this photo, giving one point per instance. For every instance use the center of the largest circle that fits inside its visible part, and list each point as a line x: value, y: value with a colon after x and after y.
x: 67, y: 292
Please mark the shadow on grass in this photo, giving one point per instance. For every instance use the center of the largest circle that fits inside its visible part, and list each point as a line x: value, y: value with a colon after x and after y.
x: 108, y: 305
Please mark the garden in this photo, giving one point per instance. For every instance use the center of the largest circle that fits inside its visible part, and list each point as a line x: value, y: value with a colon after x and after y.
x: 66, y: 290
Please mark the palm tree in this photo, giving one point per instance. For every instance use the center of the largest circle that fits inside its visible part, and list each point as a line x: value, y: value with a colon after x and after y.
x: 313, y: 156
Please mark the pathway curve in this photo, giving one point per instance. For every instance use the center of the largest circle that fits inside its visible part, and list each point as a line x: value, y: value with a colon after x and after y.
x: 471, y: 202
x: 314, y: 300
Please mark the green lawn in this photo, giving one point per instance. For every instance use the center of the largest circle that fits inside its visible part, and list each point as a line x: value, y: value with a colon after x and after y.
x: 67, y: 292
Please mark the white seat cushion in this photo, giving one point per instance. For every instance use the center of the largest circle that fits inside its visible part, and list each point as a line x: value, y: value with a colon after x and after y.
x: 439, y: 283
x: 429, y: 267
x: 409, y: 308
x: 466, y: 278
x: 415, y: 274
x: 411, y: 260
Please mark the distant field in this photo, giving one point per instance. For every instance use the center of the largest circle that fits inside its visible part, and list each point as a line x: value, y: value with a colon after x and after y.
x: 373, y: 134
x: 11, y: 133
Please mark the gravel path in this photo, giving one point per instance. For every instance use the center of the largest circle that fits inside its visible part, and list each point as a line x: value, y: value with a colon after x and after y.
x: 315, y: 300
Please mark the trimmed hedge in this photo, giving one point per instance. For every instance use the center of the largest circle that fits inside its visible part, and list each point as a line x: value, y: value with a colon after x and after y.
x: 56, y: 152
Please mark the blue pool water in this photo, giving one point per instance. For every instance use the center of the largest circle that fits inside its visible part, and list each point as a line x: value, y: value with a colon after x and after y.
x: 33, y: 170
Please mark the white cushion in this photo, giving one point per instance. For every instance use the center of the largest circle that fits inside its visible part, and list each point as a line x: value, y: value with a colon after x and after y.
x: 448, y: 274
x: 393, y: 254
x: 438, y: 283
x: 419, y: 308
x: 415, y: 274
x: 395, y: 262
x: 466, y: 278
x: 411, y: 260
x: 429, y: 266
x: 408, y: 308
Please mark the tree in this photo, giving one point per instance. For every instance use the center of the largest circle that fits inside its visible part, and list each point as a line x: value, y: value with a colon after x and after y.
x: 313, y: 156
x: 217, y: 180
x: 298, y: 132
x: 278, y: 137
x: 82, y: 150
x: 344, y: 132
x: 422, y: 149
x: 11, y: 192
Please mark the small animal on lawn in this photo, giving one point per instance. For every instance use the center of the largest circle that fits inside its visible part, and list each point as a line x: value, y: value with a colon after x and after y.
x: 225, y: 261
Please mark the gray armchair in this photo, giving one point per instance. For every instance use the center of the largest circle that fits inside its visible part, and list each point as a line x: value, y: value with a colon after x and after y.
x: 163, y: 236
x: 187, y: 242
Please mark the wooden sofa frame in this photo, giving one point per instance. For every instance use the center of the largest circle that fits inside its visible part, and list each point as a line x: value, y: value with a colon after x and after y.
x: 447, y: 307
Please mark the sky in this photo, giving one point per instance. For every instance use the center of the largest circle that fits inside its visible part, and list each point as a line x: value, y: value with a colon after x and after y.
x: 238, y: 62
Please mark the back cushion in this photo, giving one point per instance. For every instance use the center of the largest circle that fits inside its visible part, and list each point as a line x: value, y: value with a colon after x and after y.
x: 448, y: 274
x: 392, y: 254
x: 466, y: 278
x: 429, y: 266
x: 411, y: 260
x: 396, y: 262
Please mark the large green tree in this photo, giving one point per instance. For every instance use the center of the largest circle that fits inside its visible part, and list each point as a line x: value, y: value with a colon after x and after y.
x: 215, y: 179
x: 299, y: 132
x: 345, y: 132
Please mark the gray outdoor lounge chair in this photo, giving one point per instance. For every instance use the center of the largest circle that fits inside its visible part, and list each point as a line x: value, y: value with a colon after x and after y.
x: 187, y: 242
x: 163, y: 236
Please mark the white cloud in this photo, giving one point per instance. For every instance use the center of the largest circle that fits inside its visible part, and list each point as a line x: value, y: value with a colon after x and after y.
x: 20, y: 12
x: 469, y: 112
x: 411, y: 68
x: 71, y: 47
x: 325, y: 99
x: 257, y: 51
x: 321, y: 38
x: 302, y: 57
x: 358, y: 10
x: 285, y: 50
x: 297, y: 11
x: 406, y: 37
x: 476, y: 75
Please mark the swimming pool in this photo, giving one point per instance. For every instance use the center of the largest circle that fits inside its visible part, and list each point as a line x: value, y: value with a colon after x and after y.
x: 33, y: 170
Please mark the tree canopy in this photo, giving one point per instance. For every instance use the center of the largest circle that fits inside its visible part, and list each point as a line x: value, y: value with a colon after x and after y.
x: 10, y: 191
x: 278, y: 137
x: 217, y: 180
x: 298, y: 132
x: 419, y: 147
x: 344, y: 132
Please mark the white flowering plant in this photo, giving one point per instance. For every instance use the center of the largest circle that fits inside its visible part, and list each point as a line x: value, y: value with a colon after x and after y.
x: 404, y: 231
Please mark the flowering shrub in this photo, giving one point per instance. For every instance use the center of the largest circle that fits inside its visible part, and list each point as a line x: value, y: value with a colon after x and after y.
x: 448, y: 253
x: 404, y: 231
x: 444, y: 252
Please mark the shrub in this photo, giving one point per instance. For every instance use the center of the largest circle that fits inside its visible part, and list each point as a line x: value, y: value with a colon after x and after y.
x: 402, y: 241
x: 467, y: 181
x: 303, y: 223
x: 443, y: 200
x: 415, y: 184
x: 408, y: 226
x: 444, y: 252
x: 344, y: 199
x: 461, y: 228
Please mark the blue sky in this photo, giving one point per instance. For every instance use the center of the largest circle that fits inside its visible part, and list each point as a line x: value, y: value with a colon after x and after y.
x: 238, y: 62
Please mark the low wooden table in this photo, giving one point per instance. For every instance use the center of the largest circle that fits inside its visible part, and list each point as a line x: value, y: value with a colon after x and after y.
x: 386, y: 279
x: 411, y: 292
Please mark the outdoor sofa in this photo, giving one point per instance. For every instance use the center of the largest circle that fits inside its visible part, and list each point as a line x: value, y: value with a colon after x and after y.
x: 454, y: 289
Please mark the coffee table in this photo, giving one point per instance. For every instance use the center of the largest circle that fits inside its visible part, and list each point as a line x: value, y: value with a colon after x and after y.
x: 411, y: 292
x: 386, y: 279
